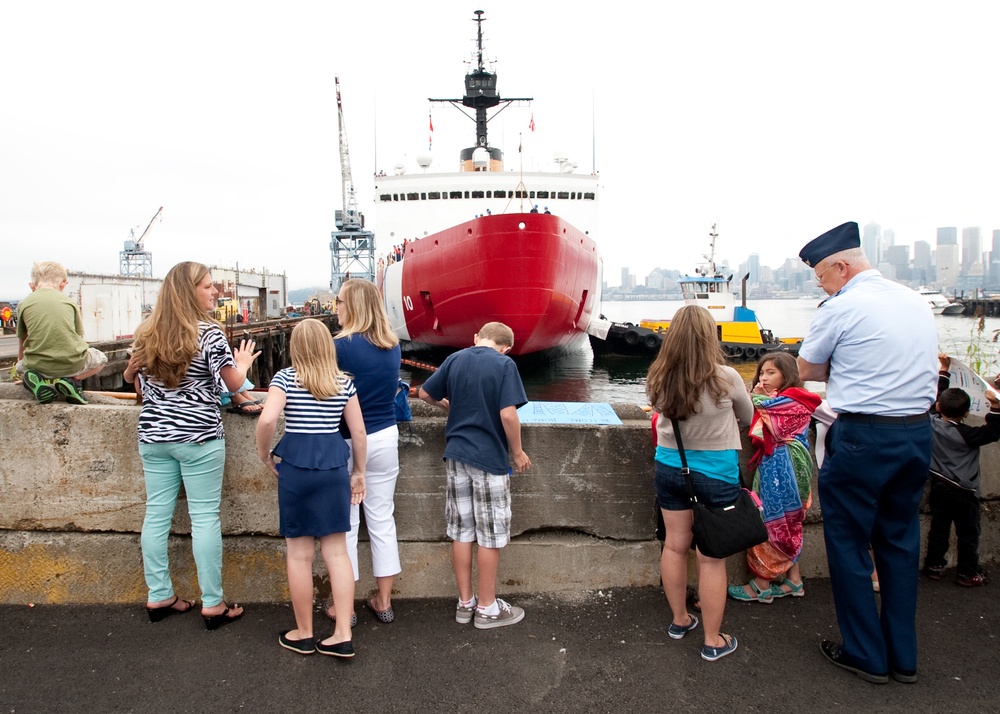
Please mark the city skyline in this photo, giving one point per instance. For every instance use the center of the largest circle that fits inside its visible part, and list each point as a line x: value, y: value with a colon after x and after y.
x: 950, y: 263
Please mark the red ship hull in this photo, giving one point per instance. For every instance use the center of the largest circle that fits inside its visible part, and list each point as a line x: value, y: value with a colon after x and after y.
x: 534, y: 272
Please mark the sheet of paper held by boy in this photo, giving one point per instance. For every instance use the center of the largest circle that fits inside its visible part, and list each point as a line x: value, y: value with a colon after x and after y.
x: 974, y: 385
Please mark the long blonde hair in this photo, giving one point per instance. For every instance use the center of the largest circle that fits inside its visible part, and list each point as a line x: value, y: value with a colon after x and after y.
x: 167, y: 340
x: 366, y: 314
x: 315, y: 359
x: 686, y: 365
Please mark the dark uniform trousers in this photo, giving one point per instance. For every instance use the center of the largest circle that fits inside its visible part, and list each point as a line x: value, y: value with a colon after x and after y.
x: 870, y: 488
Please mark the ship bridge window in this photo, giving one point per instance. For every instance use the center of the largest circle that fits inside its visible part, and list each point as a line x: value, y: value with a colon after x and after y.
x: 478, y: 194
x: 423, y: 196
x: 412, y: 196
x: 434, y: 195
x: 562, y: 194
x: 499, y: 194
x: 455, y: 194
x: 543, y: 194
x: 385, y: 197
x: 531, y: 194
x: 589, y: 196
x: 520, y: 194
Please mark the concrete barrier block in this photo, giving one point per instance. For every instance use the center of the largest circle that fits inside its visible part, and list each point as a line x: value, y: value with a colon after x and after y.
x: 62, y: 568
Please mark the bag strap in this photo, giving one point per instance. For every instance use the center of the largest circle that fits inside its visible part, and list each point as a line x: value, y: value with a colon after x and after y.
x: 684, y: 462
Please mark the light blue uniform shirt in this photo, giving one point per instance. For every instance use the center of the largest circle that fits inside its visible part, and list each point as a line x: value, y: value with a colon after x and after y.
x: 881, y: 341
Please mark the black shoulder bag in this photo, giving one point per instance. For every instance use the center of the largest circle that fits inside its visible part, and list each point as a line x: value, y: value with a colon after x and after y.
x: 721, y: 532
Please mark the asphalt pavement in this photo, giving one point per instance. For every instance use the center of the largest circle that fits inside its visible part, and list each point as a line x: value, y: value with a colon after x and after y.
x: 604, y: 651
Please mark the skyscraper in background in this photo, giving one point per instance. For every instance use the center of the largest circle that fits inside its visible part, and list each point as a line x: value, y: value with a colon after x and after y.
x: 972, y: 251
x: 871, y: 243
x: 922, y: 270
x: 753, y: 267
x: 947, y: 257
x: 994, y: 272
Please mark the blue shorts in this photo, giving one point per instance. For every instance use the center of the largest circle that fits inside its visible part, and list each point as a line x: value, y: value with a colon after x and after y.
x: 672, y: 490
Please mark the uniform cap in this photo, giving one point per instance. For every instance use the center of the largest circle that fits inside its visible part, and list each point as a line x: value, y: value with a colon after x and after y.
x: 843, y: 237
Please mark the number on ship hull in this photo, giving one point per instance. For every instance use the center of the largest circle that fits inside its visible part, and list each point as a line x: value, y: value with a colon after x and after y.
x: 407, y: 302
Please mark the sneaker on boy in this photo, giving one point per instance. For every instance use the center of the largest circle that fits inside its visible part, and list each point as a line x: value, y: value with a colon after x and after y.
x: 500, y: 614
x: 40, y: 387
x: 464, y: 611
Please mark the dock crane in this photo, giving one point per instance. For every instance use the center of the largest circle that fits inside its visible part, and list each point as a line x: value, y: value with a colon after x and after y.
x: 352, y: 248
x: 134, y: 260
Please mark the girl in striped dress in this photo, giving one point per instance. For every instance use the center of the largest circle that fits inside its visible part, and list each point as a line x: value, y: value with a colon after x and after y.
x: 315, y: 489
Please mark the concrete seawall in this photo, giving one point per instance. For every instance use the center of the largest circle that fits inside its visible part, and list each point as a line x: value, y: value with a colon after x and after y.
x: 583, y: 516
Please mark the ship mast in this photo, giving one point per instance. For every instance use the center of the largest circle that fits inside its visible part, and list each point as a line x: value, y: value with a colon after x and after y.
x: 481, y: 95
x: 709, y: 270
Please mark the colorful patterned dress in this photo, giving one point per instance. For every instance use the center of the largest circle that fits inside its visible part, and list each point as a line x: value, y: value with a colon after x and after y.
x: 783, y: 471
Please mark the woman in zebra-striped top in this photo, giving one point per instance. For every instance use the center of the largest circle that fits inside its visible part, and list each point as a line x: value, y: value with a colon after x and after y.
x: 315, y: 488
x: 184, y: 363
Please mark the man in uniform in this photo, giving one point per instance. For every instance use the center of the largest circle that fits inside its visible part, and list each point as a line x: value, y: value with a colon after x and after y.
x: 875, y: 343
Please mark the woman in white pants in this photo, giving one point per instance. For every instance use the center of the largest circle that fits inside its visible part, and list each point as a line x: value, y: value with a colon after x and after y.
x: 369, y: 351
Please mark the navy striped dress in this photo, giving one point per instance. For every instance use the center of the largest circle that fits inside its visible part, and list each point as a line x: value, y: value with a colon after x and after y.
x: 314, y: 484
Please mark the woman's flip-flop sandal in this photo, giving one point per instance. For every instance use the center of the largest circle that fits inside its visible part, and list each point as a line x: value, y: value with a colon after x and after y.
x: 158, y: 613
x: 245, y: 408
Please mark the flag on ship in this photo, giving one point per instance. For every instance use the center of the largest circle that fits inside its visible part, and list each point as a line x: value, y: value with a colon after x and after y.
x: 531, y: 124
x: 430, y: 136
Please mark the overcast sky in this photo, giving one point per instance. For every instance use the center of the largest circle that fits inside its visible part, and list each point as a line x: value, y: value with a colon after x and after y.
x: 776, y: 120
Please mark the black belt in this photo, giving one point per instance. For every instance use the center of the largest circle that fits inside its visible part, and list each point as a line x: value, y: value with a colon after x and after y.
x: 879, y: 419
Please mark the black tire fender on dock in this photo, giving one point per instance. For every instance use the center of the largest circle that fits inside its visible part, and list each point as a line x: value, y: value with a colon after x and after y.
x: 651, y: 341
x: 752, y: 353
x: 631, y: 338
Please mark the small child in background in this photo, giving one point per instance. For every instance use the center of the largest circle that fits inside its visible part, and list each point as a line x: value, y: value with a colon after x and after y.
x: 52, y: 356
x: 315, y: 490
x: 481, y: 390
x: 955, y: 483
x: 782, y: 478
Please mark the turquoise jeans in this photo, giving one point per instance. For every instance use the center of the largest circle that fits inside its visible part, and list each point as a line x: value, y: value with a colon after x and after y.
x: 199, y: 467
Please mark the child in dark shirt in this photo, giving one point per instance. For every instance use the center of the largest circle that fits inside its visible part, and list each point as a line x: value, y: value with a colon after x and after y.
x: 955, y: 483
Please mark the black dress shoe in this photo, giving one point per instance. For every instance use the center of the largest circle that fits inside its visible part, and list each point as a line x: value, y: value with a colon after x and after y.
x: 340, y: 649
x: 835, y: 653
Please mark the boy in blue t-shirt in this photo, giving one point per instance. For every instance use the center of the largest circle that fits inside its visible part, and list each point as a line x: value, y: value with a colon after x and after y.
x: 481, y: 390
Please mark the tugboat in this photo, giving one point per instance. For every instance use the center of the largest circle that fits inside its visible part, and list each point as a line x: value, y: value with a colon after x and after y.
x: 528, y: 257
x: 741, y: 335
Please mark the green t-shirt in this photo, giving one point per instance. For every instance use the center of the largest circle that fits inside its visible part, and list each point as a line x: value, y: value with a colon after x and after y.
x: 53, y: 328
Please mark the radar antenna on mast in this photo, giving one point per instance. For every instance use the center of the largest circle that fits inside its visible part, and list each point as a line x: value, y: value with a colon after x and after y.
x: 134, y: 260
x: 352, y: 248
